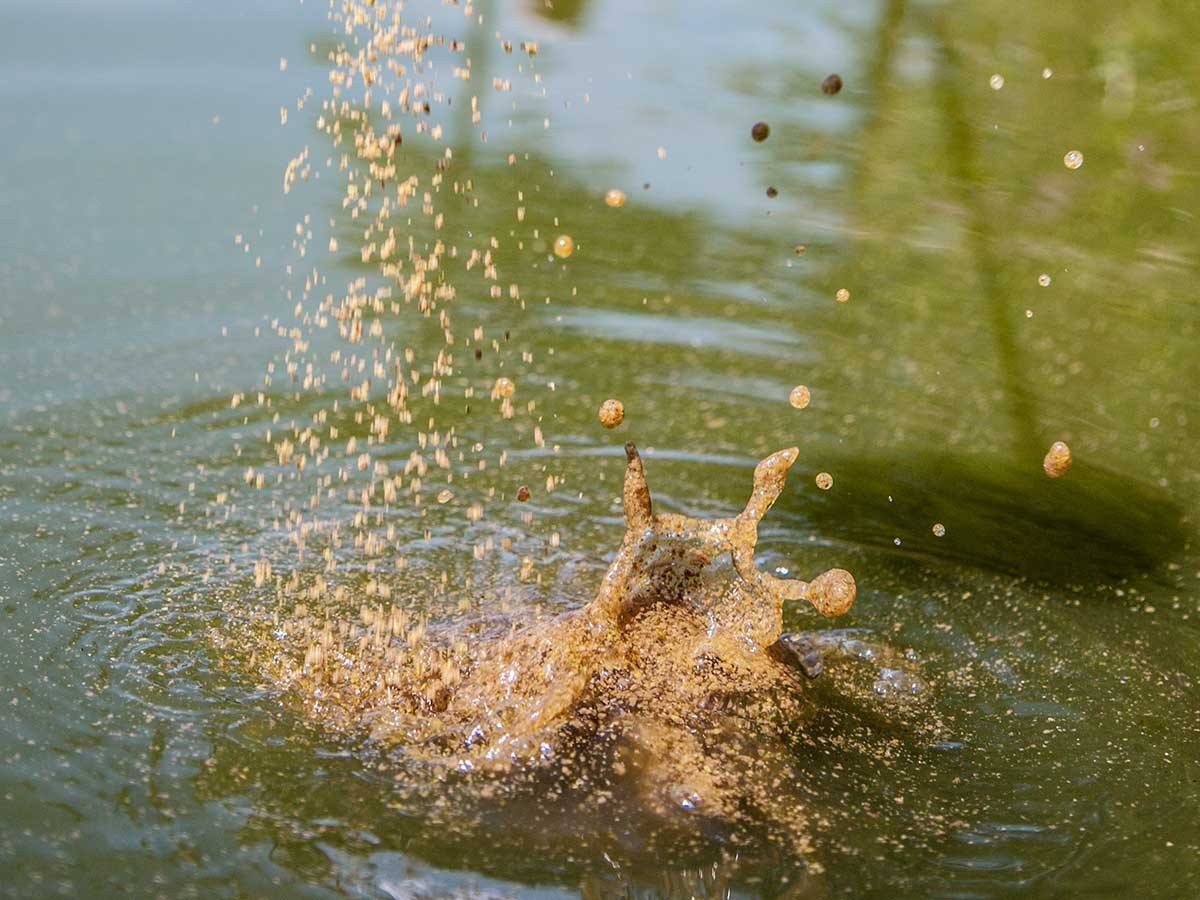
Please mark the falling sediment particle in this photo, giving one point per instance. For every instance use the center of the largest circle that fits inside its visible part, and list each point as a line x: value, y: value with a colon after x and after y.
x: 939, y: 530
x: 831, y: 85
x: 1057, y: 461
x: 760, y: 131
x: 503, y: 388
x: 1073, y: 159
x: 842, y: 295
x: 824, y: 480
x: 523, y: 493
x: 564, y: 246
x: 612, y: 413
x: 800, y: 396
x: 615, y: 198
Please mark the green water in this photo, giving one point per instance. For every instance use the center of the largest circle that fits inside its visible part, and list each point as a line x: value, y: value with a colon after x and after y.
x: 1058, y: 622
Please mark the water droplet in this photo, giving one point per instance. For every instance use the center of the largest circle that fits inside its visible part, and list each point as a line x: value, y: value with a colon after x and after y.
x: 996, y: 81
x: 824, y: 481
x: 800, y: 396
x: 612, y: 413
x: 842, y: 295
x: 939, y: 530
x: 615, y: 198
x: 760, y: 131
x: 564, y: 246
x: 1044, y: 280
x: 1073, y: 159
x: 1058, y: 460
x: 832, y: 84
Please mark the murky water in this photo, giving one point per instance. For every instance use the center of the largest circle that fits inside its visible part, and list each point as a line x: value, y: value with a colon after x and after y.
x: 1054, y: 623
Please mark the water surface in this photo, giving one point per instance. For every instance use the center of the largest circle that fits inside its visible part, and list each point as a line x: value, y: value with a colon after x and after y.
x: 1057, y: 620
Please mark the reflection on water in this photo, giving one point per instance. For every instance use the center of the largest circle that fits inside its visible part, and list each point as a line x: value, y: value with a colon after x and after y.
x: 1055, y: 621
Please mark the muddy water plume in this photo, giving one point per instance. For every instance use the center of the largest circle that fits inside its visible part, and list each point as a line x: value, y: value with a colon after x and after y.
x: 671, y: 703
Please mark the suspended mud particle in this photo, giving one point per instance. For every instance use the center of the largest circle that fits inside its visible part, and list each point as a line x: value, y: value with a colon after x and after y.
x: 445, y: 495
x: 615, y: 198
x: 760, y: 131
x: 801, y: 249
x: 1044, y: 280
x: 832, y: 593
x: 939, y: 530
x: 772, y: 192
x: 842, y: 296
x: 824, y: 481
x: 1058, y: 460
x: 1073, y: 159
x: 564, y: 246
x: 832, y: 84
x: 523, y: 493
x: 612, y: 413
x: 800, y: 396
x: 996, y: 81
x: 504, y: 387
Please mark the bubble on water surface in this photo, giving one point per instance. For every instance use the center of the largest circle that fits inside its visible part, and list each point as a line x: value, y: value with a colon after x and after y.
x: 504, y: 387
x: 800, y: 396
x: 1044, y: 280
x: 1073, y: 159
x: 842, y: 295
x: 564, y: 246
x: 824, y: 480
x: 445, y: 495
x: 996, y: 81
x: 939, y: 530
